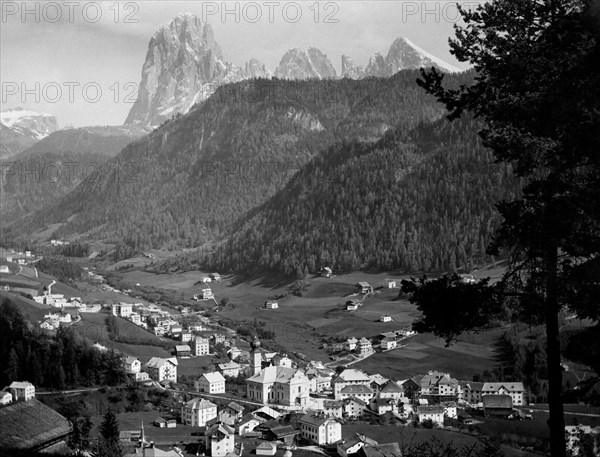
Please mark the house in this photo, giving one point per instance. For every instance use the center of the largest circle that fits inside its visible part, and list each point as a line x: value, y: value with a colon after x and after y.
x: 471, y: 392
x: 164, y: 423
x: 220, y: 439
x: 384, y: 405
x: 185, y: 337
x: 266, y: 448
x: 248, y: 423
x: 348, y: 377
x: 219, y: 338
x: 434, y: 413
x: 365, y: 347
x: 132, y: 365
x: 122, y: 310
x: 21, y: 390
x: 380, y: 450
x: 351, y: 344
x: 360, y: 391
x: 333, y: 408
x: 282, y: 360
x: 231, y: 413
x: 516, y: 390
x: 388, y: 343
x: 206, y: 279
x: 212, y: 383
x: 364, y: 287
x: 450, y: 410
x: 320, y: 428
x: 279, y: 385
x: 437, y: 386
x: 389, y: 283
x: 351, y: 446
x: 183, y: 350
x: 30, y: 427
x: 355, y: 408
x: 385, y: 318
x: 271, y: 304
x: 4, y: 269
x: 160, y: 369
x: 207, y: 294
x: 136, y: 318
x: 391, y: 390
x: 201, y: 346
x: 497, y: 405
x: 326, y: 272
x: 198, y: 412
x: 230, y: 369
x: 284, y: 433
x: 215, y: 276
x: 351, y: 306
x: 5, y: 398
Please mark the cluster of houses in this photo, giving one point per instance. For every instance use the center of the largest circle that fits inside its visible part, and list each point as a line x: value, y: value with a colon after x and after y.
x: 53, y: 321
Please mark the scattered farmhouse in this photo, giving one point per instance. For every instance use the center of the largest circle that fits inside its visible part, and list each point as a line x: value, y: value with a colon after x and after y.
x: 326, y: 272
x: 385, y: 318
x: 271, y: 304
x: 389, y: 283
x: 364, y: 287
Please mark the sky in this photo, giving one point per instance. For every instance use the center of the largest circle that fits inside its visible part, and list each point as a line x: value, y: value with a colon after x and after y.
x: 82, y: 60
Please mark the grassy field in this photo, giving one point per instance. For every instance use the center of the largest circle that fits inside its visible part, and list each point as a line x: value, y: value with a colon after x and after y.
x: 93, y: 327
x: 32, y: 310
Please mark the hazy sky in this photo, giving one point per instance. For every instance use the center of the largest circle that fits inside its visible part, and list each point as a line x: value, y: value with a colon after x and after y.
x: 58, y: 48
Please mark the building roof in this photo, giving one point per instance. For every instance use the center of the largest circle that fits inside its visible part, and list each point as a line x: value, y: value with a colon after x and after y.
x: 219, y: 427
x: 355, y: 389
x: 392, y: 387
x: 157, y: 362
x: 251, y: 417
x: 381, y: 450
x: 268, y: 411
x: 229, y: 366
x: 183, y: 348
x: 363, y: 284
x: 28, y: 424
x: 236, y: 407
x: 388, y: 340
x: 130, y: 360
x: 199, y: 403
x: 358, y: 438
x: 278, y: 374
x: 267, y: 445
x: 497, y: 401
x: 430, y: 409
x: 283, y: 430
x: 213, y: 376
x: 509, y: 386
x: 472, y: 385
x: 333, y: 403
x: 315, y: 419
x: 378, y: 379
x: 351, y: 374
x: 355, y: 400
x: 20, y: 385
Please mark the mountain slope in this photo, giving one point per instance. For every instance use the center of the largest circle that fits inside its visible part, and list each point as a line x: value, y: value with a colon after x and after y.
x: 52, y: 167
x: 423, y: 201
x: 196, y: 175
x: 19, y: 129
x: 299, y: 64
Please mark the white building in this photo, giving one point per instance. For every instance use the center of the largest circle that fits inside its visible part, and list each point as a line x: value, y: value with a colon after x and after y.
x: 198, y: 412
x: 320, y: 429
x: 389, y: 283
x: 351, y: 343
x: 360, y: 391
x: 450, y: 409
x: 212, y: 383
x: 136, y: 318
x: 353, y: 445
x: 279, y: 385
x: 434, y: 413
x: 132, y: 365
x: 348, y: 377
x: 271, y: 304
x: 207, y: 294
x: 516, y: 390
x: 388, y: 343
x: 365, y: 347
x: 161, y: 369
x: 248, y: 423
x: 5, y: 398
x: 385, y: 318
x: 201, y: 346
x: 122, y: 310
x: 220, y: 440
x: 21, y: 390
x: 230, y: 369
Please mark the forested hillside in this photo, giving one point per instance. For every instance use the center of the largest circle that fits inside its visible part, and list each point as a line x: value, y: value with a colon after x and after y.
x: 59, y: 361
x: 190, y: 180
x: 52, y: 167
x: 417, y: 202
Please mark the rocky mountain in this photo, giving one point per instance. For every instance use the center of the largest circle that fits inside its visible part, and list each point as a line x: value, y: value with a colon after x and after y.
x: 191, y: 180
x: 310, y: 64
x: 402, y: 55
x: 21, y: 128
x: 184, y: 65
x: 55, y: 165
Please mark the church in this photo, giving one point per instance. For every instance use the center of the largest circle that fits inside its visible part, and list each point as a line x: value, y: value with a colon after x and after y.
x: 276, y: 384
